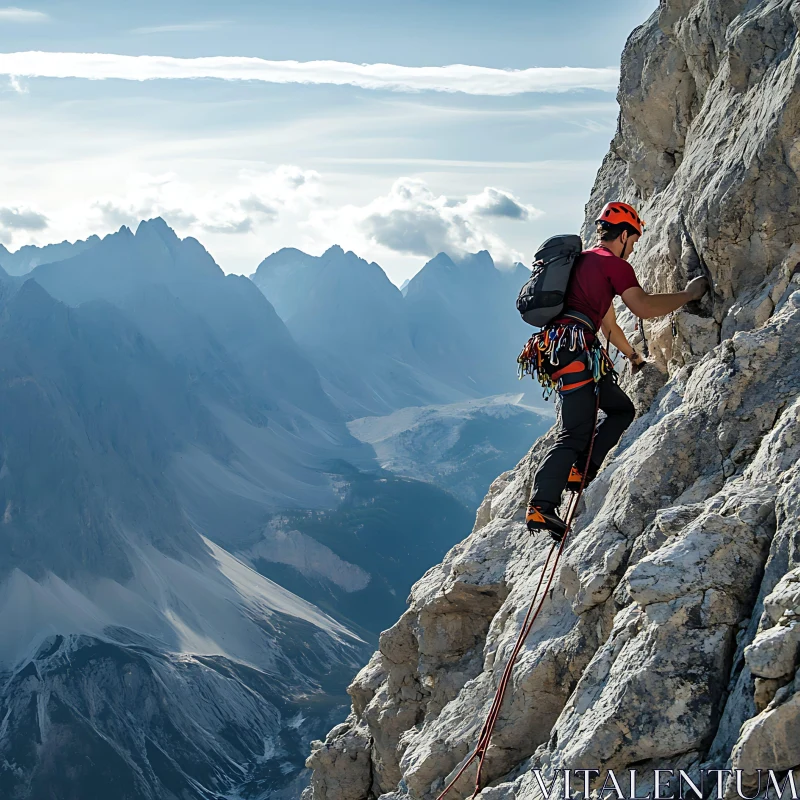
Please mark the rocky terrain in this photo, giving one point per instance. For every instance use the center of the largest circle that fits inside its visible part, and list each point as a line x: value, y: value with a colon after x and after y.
x: 671, y: 635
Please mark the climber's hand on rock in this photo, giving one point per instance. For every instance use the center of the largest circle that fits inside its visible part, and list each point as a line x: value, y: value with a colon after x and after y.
x: 637, y: 362
x: 696, y: 288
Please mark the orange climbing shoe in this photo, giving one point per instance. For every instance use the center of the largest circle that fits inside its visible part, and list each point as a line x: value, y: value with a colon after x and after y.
x: 575, y: 480
x: 576, y: 476
x: 538, y: 520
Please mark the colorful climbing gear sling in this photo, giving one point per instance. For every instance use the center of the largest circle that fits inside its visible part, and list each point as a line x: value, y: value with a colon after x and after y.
x: 543, y: 353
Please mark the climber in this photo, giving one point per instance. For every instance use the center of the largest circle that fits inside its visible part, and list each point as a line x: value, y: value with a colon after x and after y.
x: 579, y: 367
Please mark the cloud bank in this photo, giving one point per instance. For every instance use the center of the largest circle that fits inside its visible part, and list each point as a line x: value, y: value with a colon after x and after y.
x: 454, y: 78
x: 22, y: 219
x: 14, y: 14
x: 259, y: 199
x: 413, y: 220
x: 182, y: 27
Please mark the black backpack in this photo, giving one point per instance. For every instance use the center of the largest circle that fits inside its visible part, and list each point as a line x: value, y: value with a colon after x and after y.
x: 541, y: 299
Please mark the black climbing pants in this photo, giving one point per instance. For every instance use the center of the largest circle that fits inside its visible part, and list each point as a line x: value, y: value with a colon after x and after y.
x: 576, y: 419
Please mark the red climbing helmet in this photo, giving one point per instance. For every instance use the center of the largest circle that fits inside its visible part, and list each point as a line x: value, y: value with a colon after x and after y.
x: 615, y: 212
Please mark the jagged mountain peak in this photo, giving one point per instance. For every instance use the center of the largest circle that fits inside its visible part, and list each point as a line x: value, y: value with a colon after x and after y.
x: 113, y: 266
x: 28, y: 256
x: 469, y: 271
x: 340, y: 258
x: 481, y: 260
x: 157, y: 225
x: 284, y: 254
x: 442, y: 260
x: 31, y: 294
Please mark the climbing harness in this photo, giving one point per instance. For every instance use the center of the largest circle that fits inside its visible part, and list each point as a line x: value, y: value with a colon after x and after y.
x: 545, y: 345
x: 484, y: 740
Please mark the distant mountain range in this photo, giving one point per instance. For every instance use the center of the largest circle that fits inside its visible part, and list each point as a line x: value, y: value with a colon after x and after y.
x: 453, y: 333
x: 464, y: 322
x: 28, y: 257
x: 450, y: 333
x: 124, y: 630
x: 194, y: 548
x: 238, y: 360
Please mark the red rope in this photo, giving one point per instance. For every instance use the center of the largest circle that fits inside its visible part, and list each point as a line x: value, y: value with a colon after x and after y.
x: 527, y: 625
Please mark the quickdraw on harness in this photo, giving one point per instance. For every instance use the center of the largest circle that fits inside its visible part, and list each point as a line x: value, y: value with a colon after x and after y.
x: 543, y: 347
x: 485, y: 736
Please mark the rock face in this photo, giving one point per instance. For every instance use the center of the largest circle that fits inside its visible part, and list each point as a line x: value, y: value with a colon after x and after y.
x: 670, y: 635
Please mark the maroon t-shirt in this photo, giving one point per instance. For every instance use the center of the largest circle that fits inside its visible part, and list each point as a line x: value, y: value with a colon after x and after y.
x: 597, y: 277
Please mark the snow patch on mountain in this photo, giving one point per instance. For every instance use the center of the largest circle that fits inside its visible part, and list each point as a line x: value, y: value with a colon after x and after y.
x: 310, y: 558
x: 380, y: 429
x: 222, y: 607
x: 456, y: 445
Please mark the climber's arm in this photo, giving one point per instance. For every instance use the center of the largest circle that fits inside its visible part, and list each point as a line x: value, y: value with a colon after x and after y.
x: 647, y: 306
x: 615, y: 334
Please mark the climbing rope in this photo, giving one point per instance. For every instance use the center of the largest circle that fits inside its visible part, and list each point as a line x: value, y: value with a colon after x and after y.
x: 527, y: 625
x: 640, y: 328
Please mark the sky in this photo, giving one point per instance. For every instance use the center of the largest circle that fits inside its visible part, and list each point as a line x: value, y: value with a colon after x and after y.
x: 396, y: 130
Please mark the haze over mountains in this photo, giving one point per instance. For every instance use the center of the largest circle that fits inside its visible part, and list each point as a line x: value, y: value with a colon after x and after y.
x: 122, y: 627
x: 26, y: 258
x: 450, y: 335
x: 238, y: 357
x: 178, y: 485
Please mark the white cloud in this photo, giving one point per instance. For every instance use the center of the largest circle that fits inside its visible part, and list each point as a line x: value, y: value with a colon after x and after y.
x: 493, y: 202
x: 243, y: 225
x: 14, y: 14
x: 454, y: 78
x: 259, y: 199
x: 411, y: 219
x: 116, y: 213
x: 22, y: 219
x: 17, y: 85
x: 182, y: 27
